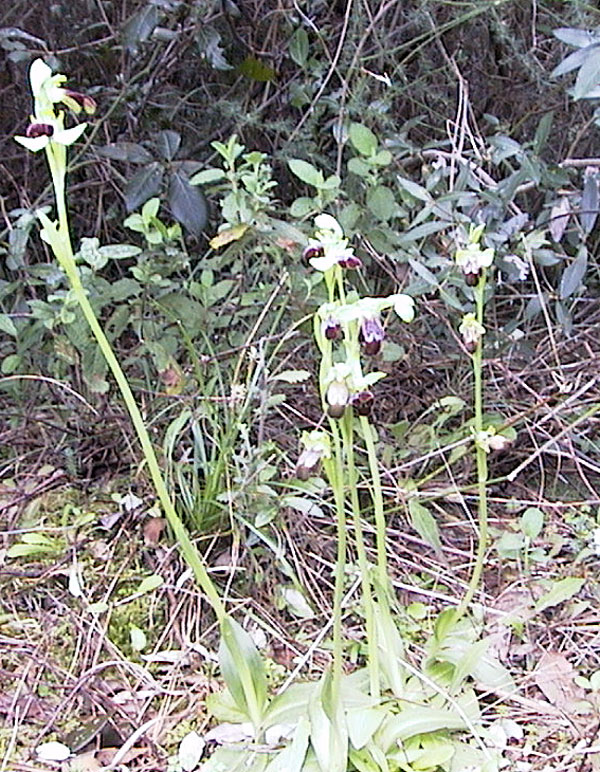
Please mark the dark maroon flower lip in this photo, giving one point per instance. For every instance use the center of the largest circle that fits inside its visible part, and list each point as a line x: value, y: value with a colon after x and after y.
x: 352, y: 262
x: 363, y: 402
x: 35, y: 130
x: 332, y: 329
x: 313, y: 251
x: 472, y: 279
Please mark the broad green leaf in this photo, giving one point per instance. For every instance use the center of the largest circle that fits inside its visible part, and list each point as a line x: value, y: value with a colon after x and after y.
x: 243, y: 670
x: 588, y: 77
x: 167, y: 143
x: 188, y: 204
x: 362, y: 139
x: 328, y: 733
x: 126, y: 151
x: 362, y: 724
x: 425, y: 524
x: 306, y: 172
x: 532, y: 522
x: 421, y: 231
x: 119, y: 251
x: 291, y: 758
x: 572, y: 36
x: 390, y: 646
x: 359, y: 167
x: 574, y: 274
x: 7, y: 325
x: 143, y: 186
x: 381, y: 202
x: 139, y: 28
x: 298, y: 47
x: 561, y: 591
x: 27, y: 550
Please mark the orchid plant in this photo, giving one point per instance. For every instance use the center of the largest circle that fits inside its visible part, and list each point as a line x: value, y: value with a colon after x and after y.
x: 349, y: 330
x: 47, y: 131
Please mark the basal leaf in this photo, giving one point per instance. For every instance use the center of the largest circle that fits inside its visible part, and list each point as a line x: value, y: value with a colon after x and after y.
x: 425, y: 524
x: 561, y: 591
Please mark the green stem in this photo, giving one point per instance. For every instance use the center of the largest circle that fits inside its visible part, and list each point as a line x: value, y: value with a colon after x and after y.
x: 62, y: 248
x: 377, y: 496
x: 363, y: 563
x: 481, y: 459
x: 335, y: 473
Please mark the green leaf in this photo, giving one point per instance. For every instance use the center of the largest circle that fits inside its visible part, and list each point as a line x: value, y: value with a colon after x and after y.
x: 119, y: 251
x: 243, y: 670
x: 580, y: 38
x: 588, y: 77
x: 139, y: 28
x: 256, y: 70
x: 573, y: 275
x: 359, y: 167
x: 532, y: 522
x: 561, y: 591
x: 26, y: 550
x: 7, y: 325
x: 291, y: 759
x: 381, y: 202
x: 292, y: 376
x: 143, y: 186
x: 298, y: 47
x: 188, y: 204
x: 207, y: 176
x: 126, y: 151
x: 328, y: 733
x: 137, y: 638
x: 425, y: 524
x: 167, y: 143
x: 415, y: 190
x: 362, y: 139
x: 306, y: 172
x: 362, y: 724
x: 150, y: 583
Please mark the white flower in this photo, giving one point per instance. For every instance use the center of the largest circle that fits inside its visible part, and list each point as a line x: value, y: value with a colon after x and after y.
x: 62, y: 136
x: 471, y: 331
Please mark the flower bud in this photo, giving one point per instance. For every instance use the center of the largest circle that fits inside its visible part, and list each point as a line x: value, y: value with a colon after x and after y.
x: 39, y: 130
x: 337, y: 398
x: 371, y: 335
x: 363, y: 402
x: 75, y: 101
x: 309, y: 462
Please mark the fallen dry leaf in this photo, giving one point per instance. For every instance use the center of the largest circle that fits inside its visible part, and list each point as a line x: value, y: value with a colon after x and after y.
x: 555, y: 677
x: 153, y: 527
